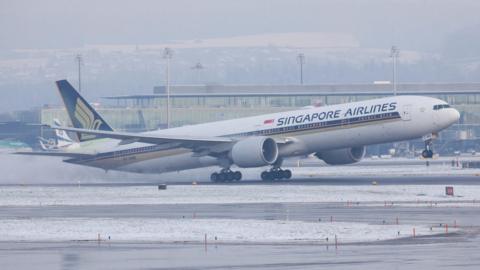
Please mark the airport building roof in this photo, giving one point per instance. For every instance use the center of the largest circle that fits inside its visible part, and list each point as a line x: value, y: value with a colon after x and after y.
x: 308, y: 90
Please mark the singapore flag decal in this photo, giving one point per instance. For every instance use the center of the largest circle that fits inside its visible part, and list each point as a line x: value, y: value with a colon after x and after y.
x: 269, y: 121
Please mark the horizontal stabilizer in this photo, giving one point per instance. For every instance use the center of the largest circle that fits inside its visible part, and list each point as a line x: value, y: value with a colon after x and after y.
x: 54, y: 154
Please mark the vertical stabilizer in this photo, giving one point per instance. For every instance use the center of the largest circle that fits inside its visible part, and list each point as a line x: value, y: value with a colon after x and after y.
x: 81, y: 114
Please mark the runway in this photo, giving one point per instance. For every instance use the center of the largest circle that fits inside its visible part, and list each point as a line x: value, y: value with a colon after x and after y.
x: 472, y: 179
x: 452, y: 252
x: 251, y: 225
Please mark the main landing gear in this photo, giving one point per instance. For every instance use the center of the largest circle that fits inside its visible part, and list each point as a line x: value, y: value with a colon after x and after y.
x: 428, y: 139
x: 276, y: 174
x: 226, y: 175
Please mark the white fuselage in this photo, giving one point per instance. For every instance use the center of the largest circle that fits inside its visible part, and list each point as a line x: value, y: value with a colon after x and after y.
x: 308, y: 131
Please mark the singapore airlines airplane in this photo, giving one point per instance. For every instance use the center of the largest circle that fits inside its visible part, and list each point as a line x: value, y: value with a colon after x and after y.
x: 337, y: 134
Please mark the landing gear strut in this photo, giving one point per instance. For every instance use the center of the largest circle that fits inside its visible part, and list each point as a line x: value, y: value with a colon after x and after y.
x: 428, y: 139
x: 276, y: 174
x: 226, y: 175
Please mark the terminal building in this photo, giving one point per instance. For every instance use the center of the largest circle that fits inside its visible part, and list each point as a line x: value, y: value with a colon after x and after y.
x: 193, y: 104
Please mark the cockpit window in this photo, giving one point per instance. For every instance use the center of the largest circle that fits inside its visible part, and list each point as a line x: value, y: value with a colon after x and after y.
x: 440, y: 106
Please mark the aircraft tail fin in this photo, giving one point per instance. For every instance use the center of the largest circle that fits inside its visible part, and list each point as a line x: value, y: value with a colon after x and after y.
x: 81, y: 114
x: 45, y: 145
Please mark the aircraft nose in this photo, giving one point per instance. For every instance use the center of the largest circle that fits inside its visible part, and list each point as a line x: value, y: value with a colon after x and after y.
x: 455, y: 115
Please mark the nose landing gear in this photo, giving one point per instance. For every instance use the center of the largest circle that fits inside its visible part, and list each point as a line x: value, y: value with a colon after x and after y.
x: 427, y: 153
x: 428, y: 139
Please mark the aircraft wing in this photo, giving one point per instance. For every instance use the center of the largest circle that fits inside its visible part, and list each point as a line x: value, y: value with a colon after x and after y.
x: 191, y: 142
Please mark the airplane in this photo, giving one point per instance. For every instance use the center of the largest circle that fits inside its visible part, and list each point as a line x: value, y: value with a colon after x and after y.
x: 62, y: 140
x: 337, y: 134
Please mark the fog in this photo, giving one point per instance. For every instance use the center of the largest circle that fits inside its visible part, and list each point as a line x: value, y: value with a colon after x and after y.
x: 239, y: 42
x: 31, y: 170
x: 412, y: 24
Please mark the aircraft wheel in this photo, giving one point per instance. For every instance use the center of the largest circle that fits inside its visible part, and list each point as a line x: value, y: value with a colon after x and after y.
x: 230, y: 176
x: 427, y: 154
x: 222, y: 177
x: 214, y: 177
x: 277, y: 175
x: 287, y: 174
x: 237, y: 176
x: 266, y: 176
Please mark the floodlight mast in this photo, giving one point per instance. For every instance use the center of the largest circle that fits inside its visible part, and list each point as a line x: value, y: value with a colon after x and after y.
x: 79, y: 59
x: 394, y: 53
x: 167, y: 55
x: 301, y: 62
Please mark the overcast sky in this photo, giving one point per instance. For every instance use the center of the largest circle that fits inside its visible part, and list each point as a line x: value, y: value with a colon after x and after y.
x: 412, y: 24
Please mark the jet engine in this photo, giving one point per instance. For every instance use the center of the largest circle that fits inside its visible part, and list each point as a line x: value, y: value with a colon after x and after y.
x: 342, y: 156
x: 254, y: 152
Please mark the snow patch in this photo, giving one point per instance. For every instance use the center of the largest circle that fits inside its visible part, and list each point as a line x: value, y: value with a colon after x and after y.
x: 194, y: 230
x: 235, y: 194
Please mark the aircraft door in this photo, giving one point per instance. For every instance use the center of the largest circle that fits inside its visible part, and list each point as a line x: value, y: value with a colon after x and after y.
x: 406, y: 113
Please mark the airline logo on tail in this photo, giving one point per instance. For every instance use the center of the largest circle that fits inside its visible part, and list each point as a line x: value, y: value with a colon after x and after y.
x: 81, y: 114
x: 86, y: 118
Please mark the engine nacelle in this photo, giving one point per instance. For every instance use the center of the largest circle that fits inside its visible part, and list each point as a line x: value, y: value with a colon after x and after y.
x: 342, y: 156
x: 254, y: 152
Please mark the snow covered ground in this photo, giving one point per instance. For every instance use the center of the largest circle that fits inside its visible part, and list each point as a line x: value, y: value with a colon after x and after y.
x: 389, y: 170
x: 194, y: 230
x: 224, y: 230
x: 235, y: 194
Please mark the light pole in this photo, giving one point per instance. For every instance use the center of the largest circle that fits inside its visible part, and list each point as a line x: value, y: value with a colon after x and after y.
x: 394, y: 53
x: 197, y: 67
x: 79, y: 61
x: 301, y: 62
x: 168, y: 54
